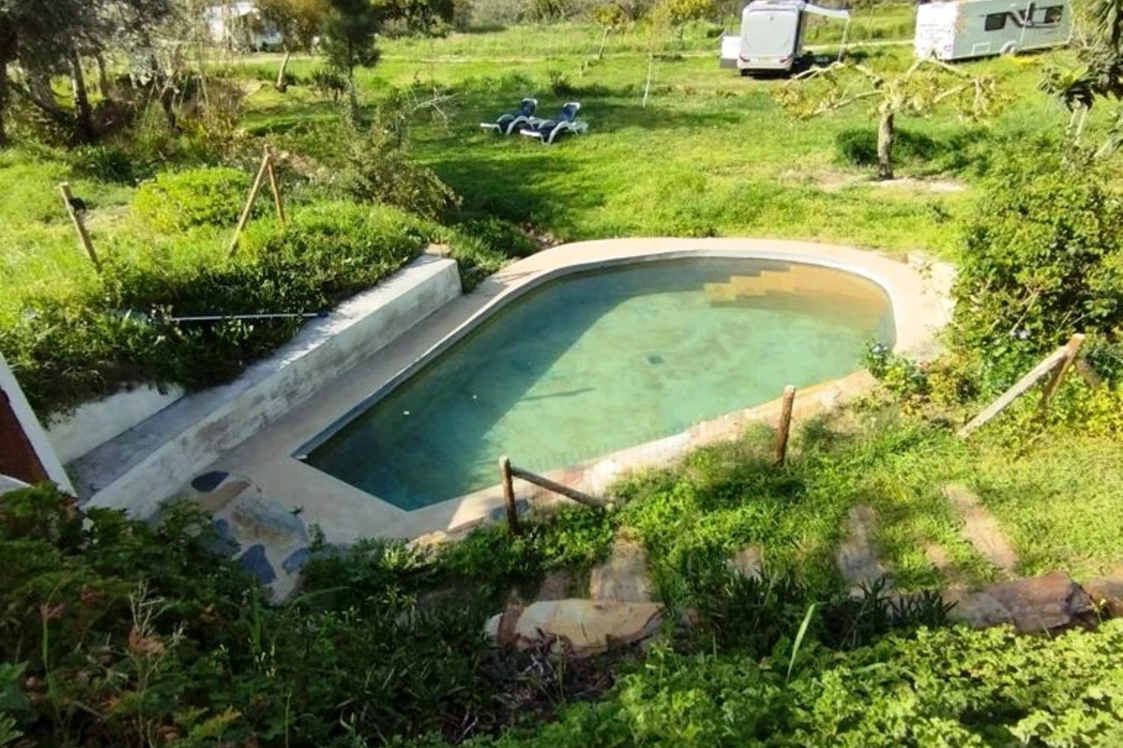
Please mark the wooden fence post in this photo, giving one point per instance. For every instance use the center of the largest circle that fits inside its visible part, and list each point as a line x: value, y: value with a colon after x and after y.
x: 509, y: 494
x: 275, y: 187
x: 785, y: 427
x: 79, y: 225
x: 1072, y: 349
x: 247, y: 209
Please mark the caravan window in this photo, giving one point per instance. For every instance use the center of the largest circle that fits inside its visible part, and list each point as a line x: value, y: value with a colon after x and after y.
x: 995, y: 22
x: 1053, y: 14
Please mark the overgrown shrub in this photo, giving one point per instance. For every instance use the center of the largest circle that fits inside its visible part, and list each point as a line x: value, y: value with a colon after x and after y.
x: 946, y: 687
x: 1043, y: 260
x: 377, y: 169
x: 105, y: 162
x: 176, y: 201
x: 70, y: 348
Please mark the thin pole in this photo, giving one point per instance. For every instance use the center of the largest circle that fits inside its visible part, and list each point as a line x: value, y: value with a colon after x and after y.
x: 273, y: 185
x: 509, y: 494
x: 248, y: 208
x: 785, y: 428
x: 79, y: 225
x: 1072, y: 349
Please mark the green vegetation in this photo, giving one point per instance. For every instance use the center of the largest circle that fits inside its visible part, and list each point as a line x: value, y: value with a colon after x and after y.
x: 122, y: 633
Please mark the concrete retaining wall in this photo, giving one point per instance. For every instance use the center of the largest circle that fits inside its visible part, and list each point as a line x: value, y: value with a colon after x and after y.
x: 93, y: 424
x: 141, y: 467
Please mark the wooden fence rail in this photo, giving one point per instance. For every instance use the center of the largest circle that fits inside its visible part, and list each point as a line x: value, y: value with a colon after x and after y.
x: 507, y: 472
x: 1056, y: 363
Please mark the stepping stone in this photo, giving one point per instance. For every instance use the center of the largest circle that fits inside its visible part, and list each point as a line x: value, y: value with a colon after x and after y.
x: 748, y: 562
x: 577, y: 627
x: 1107, y: 592
x: 981, y: 529
x: 857, y: 560
x: 623, y: 577
x: 1034, y: 605
x: 936, y: 556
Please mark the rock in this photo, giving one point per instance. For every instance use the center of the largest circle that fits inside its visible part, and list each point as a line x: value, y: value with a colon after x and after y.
x: 981, y: 529
x: 255, y: 562
x: 217, y: 499
x: 429, y: 541
x: 937, y: 556
x: 976, y: 609
x: 748, y: 562
x: 295, y: 561
x: 256, y: 519
x: 857, y: 560
x: 577, y: 627
x: 623, y: 577
x: 1041, y: 604
x: 1106, y: 593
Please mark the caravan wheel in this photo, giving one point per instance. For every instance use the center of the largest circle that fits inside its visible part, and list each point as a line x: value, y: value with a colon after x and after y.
x: 1009, y: 48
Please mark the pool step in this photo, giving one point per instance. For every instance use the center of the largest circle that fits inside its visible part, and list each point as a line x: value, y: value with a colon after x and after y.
x: 802, y: 279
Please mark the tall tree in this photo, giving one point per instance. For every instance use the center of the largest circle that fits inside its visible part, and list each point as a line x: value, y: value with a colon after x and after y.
x: 298, y: 21
x: 348, y: 41
x: 926, y: 86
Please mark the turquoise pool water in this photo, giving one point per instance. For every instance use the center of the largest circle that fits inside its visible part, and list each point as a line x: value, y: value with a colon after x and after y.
x: 600, y: 361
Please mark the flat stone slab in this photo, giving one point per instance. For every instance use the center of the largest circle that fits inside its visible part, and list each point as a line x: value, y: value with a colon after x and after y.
x: 576, y: 627
x: 1033, y: 605
x: 623, y: 577
x: 857, y: 559
x: 1107, y: 592
x: 981, y: 529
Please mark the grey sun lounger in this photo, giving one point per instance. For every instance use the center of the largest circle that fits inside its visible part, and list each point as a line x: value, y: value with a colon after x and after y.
x: 550, y: 130
x: 512, y: 121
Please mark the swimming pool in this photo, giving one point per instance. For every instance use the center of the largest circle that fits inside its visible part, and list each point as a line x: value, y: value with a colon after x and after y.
x: 601, y: 360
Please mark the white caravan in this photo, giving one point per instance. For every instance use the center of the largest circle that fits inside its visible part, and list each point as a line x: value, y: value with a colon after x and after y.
x: 771, y: 38
x: 962, y: 29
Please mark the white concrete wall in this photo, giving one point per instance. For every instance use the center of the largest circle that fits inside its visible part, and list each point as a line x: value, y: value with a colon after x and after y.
x: 93, y: 424
x: 33, y: 429
x: 201, y: 426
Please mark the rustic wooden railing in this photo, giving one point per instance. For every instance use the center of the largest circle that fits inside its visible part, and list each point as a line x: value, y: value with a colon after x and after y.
x: 1056, y: 363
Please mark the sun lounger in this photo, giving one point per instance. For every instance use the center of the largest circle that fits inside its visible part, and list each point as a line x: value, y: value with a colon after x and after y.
x: 551, y: 129
x: 512, y: 121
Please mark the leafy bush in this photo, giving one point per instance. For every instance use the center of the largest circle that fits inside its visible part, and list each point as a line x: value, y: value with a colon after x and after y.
x: 377, y: 169
x: 176, y: 201
x: 105, y: 162
x: 69, y: 348
x: 329, y: 84
x: 1043, y: 260
x: 945, y: 687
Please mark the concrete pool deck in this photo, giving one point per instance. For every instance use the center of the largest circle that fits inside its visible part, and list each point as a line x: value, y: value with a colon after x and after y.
x: 268, y: 460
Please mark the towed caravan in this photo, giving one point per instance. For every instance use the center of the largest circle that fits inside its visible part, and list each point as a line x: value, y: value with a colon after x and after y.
x: 771, y: 36
x: 962, y: 29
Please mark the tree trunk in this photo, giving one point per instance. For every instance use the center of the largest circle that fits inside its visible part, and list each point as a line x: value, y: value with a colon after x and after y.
x: 81, y: 99
x: 39, y: 86
x: 603, y: 41
x: 103, y: 84
x: 885, y: 146
x: 3, y: 102
x: 281, y: 84
x: 354, y: 96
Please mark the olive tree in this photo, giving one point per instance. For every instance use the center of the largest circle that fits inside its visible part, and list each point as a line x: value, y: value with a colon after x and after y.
x: 298, y: 22
x: 925, y: 87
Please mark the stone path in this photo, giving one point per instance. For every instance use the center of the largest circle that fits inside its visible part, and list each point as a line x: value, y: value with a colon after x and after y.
x: 857, y: 559
x: 623, y: 577
x: 1033, y: 605
x: 981, y: 529
x: 748, y: 562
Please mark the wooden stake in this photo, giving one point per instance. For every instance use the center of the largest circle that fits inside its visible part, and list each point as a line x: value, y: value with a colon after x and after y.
x: 509, y: 494
x: 1020, y: 387
x: 79, y: 225
x: 1085, y: 369
x: 273, y: 185
x: 1071, y: 349
x: 244, y: 218
x: 785, y: 427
